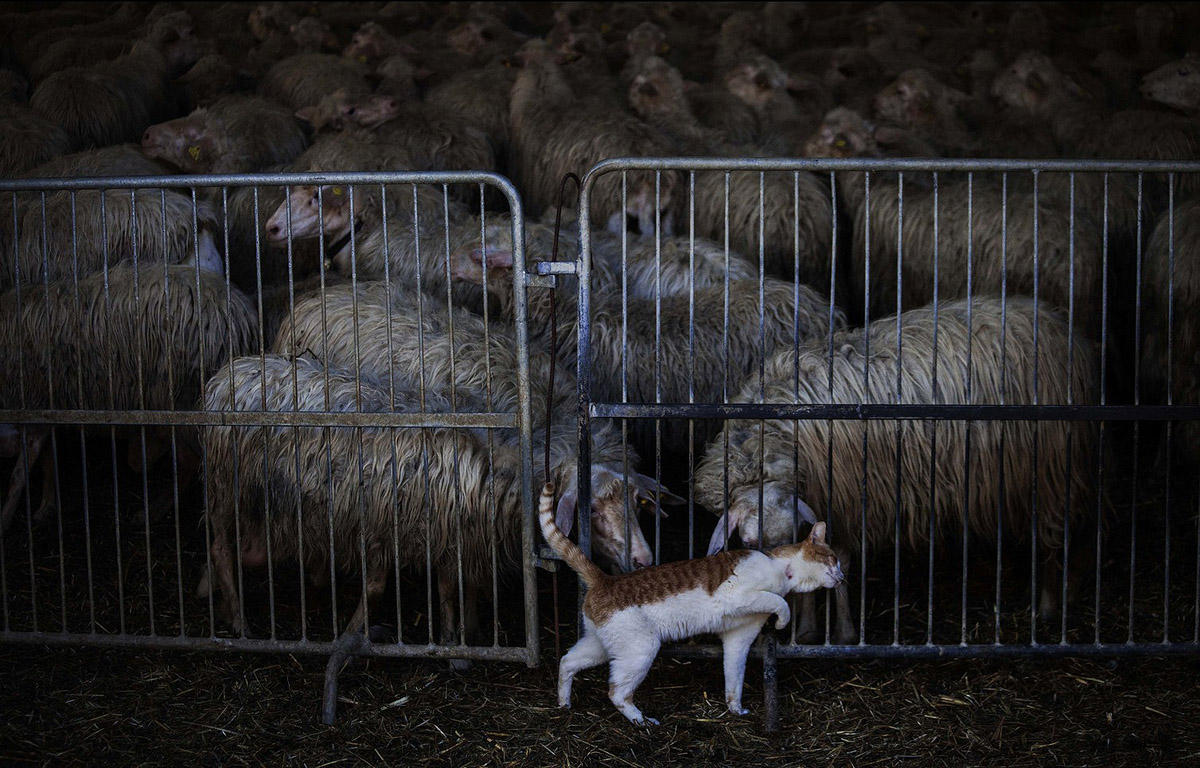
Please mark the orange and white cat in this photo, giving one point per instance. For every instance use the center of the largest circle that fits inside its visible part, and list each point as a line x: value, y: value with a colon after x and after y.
x: 627, y: 617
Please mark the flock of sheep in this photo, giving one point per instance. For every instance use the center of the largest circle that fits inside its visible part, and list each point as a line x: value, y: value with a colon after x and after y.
x: 979, y: 290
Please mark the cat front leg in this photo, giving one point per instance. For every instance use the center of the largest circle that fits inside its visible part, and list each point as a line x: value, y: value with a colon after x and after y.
x: 588, y: 652
x: 764, y: 602
x: 736, y: 643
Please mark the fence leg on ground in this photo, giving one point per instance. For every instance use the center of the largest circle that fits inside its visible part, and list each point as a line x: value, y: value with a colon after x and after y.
x: 770, y: 686
x: 346, y: 646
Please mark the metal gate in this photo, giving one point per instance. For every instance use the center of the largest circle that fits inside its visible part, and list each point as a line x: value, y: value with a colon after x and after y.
x: 338, y: 282
x: 981, y: 373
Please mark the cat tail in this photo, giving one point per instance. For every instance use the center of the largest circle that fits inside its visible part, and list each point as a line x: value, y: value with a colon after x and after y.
x: 566, y: 549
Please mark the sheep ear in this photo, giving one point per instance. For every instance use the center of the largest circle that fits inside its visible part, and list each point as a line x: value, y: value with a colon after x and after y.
x: 818, y: 533
x: 564, y: 513
x: 720, y: 534
x: 806, y: 513
x: 496, y: 258
x: 649, y: 487
x: 308, y: 115
x: 1036, y: 83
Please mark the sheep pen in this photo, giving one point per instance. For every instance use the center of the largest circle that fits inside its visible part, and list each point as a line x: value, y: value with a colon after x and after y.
x: 286, y: 364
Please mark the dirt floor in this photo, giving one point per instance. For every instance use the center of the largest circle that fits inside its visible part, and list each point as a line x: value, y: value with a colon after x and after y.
x: 84, y: 706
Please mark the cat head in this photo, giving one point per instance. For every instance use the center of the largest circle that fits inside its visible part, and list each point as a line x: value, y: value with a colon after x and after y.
x: 811, y: 564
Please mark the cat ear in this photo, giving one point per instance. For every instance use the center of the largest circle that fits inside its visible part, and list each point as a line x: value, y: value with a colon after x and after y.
x: 818, y: 533
x: 725, y: 527
x: 805, y: 511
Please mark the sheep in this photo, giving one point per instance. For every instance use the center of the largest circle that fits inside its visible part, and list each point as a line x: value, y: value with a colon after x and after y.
x: 797, y: 209
x: 114, y: 101
x: 1001, y: 243
x: 236, y: 134
x: 1170, y: 334
x: 211, y: 78
x: 552, y: 136
x: 154, y: 225
x: 1034, y: 85
x: 938, y: 114
x: 694, y: 358
x: 465, y: 504
x: 984, y: 352
x: 480, y: 96
x: 304, y: 79
x: 27, y: 139
x: 116, y: 160
x: 1176, y: 85
x: 118, y: 340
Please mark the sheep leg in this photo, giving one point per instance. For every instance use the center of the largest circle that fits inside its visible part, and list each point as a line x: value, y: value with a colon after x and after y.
x: 1051, y: 578
x: 20, y: 476
x: 222, y: 565
x: 447, y: 583
x: 49, y: 502
x: 843, y: 628
x: 807, y: 631
x: 377, y: 576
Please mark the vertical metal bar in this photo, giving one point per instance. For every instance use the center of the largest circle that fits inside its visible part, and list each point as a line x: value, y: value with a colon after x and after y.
x: 53, y: 468
x: 458, y: 507
x: 691, y: 497
x: 141, y: 401
x: 1166, y: 630
x: 625, y: 497
x: 934, y: 513
x: 657, y: 364
x: 493, y: 531
x: 391, y: 382
x: 762, y: 359
x: 1137, y: 400
x: 162, y: 234
x: 583, y: 369
x: 423, y: 404
x: 524, y: 418
x: 1069, y: 477
x: 725, y: 367
x: 970, y: 398
x: 327, y: 434
x: 899, y: 467
x: 112, y: 430
x: 358, y: 431
x: 862, y: 523
x: 1103, y: 400
x: 1033, y: 534
x: 1001, y: 511
x: 831, y: 320
x: 87, y: 516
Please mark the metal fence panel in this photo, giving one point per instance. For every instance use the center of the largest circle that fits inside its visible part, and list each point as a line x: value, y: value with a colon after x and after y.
x: 977, y: 371
x: 312, y: 450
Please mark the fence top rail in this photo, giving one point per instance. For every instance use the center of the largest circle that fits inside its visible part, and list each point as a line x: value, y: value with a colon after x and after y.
x: 184, y: 181
x: 1057, y: 165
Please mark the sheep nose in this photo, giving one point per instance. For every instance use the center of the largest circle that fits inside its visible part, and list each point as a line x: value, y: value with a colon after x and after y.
x: 642, y: 561
x: 273, y: 229
x: 392, y: 104
x: 147, y: 137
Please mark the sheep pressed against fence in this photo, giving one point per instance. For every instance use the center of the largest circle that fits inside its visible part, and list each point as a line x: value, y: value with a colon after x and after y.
x: 316, y: 452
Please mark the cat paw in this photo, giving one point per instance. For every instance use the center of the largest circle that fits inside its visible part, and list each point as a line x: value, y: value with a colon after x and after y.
x: 649, y: 721
x: 738, y: 710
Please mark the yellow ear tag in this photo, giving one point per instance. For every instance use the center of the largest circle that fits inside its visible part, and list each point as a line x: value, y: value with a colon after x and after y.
x: 194, y: 151
x: 664, y: 48
x: 362, y: 59
x: 839, y: 143
x: 606, y: 28
x: 336, y: 191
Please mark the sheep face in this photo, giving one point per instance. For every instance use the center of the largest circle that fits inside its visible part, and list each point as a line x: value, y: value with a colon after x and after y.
x: 657, y: 90
x: 312, y: 34
x: 1175, y: 85
x: 268, y: 18
x: 782, y: 511
x: 612, y: 530
x: 339, y: 110
x: 910, y: 100
x: 1033, y: 85
x: 187, y: 143
x: 304, y: 206
x: 849, y: 64
x: 646, y: 39
x: 756, y: 82
x: 476, y: 35
x: 843, y: 133
x: 372, y: 42
x: 578, y: 43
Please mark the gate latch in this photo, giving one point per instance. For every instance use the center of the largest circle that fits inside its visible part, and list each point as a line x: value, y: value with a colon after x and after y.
x: 544, y: 272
